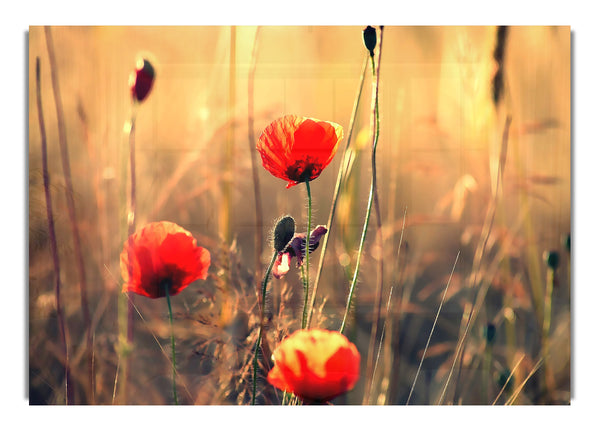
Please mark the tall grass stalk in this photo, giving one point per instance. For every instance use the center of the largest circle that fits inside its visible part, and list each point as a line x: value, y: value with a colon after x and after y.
x: 258, y: 217
x: 52, y: 236
x: 517, y: 392
x: 379, y: 233
x: 437, y: 315
x: 387, y: 308
x: 336, y: 192
x: 476, y: 271
x: 64, y: 152
x: 481, y: 247
x: 505, y: 385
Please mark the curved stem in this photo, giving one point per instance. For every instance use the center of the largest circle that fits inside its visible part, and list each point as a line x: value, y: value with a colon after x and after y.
x: 356, y: 268
x: 307, y: 251
x: 341, y: 174
x: 167, y: 286
x: 373, y: 191
x: 260, y: 328
x: 378, y: 300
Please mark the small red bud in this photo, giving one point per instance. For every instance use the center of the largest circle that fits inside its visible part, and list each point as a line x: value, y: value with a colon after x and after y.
x: 141, y: 80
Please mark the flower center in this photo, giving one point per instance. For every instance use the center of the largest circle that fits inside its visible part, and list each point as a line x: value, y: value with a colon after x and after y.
x: 304, y: 170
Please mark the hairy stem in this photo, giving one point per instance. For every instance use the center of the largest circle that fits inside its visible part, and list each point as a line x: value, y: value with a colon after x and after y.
x: 378, y: 299
x: 260, y: 327
x: 307, y: 254
x: 167, y: 287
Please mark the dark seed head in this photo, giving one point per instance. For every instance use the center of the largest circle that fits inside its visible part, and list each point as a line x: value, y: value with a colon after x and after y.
x: 490, y: 332
x: 370, y: 39
x: 284, y: 231
x: 503, y: 379
x: 552, y: 259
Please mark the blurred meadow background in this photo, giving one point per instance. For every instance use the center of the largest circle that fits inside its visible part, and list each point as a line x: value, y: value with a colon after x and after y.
x: 440, y: 149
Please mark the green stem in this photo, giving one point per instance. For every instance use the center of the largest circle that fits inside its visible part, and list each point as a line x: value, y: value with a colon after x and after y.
x: 372, y: 195
x: 260, y: 328
x: 379, y: 233
x: 360, y: 252
x: 167, y: 287
x: 342, y: 171
x: 307, y: 251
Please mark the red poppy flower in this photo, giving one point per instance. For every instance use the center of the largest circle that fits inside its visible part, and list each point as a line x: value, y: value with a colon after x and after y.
x: 315, y: 364
x: 162, y: 254
x: 141, y: 80
x: 297, y: 149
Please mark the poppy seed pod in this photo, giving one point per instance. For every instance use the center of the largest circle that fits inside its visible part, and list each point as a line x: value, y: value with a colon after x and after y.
x: 370, y: 39
x: 284, y: 232
x: 142, y: 79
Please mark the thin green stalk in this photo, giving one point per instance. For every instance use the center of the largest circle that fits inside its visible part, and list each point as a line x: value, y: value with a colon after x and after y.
x: 167, y: 287
x: 357, y: 267
x: 378, y: 300
x: 131, y: 223
x: 477, y: 263
x: 307, y: 253
x: 372, y: 193
x: 260, y: 328
x: 341, y: 173
x: 389, y: 301
x: 131, y: 217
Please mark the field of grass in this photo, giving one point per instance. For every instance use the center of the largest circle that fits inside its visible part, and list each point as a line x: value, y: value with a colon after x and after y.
x: 463, y: 294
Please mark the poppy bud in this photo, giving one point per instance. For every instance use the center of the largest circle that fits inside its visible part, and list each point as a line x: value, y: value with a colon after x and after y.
x: 552, y: 259
x: 141, y: 80
x: 284, y: 232
x: 370, y: 39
